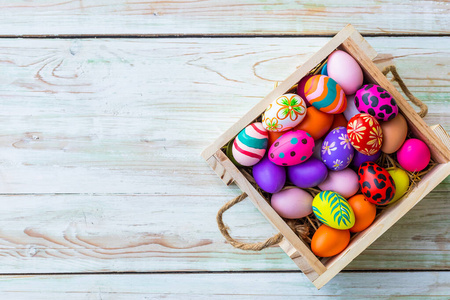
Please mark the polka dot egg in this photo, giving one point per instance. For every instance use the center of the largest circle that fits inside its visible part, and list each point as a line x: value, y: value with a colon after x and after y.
x: 292, y: 148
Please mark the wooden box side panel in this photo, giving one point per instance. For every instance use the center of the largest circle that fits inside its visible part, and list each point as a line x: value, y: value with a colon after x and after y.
x: 307, y: 262
x: 419, y: 128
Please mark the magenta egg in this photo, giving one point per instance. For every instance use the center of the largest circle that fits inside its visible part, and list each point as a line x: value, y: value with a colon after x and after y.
x: 308, y: 174
x: 292, y: 148
x: 414, y: 155
x: 269, y: 176
x: 376, y: 101
x: 292, y: 203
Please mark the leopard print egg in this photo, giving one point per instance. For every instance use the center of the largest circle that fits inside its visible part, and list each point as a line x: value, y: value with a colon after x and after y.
x: 376, y: 101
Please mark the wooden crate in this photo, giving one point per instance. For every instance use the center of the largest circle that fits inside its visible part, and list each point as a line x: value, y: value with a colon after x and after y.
x: 321, y: 271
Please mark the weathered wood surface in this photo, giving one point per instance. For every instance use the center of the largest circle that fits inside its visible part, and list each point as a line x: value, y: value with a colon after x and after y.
x: 378, y: 285
x: 101, y: 168
x: 132, y: 116
x: 120, y: 17
x: 156, y: 233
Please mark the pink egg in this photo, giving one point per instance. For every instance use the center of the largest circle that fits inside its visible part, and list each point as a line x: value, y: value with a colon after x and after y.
x: 292, y: 148
x: 345, y: 71
x: 292, y: 203
x: 343, y: 182
x: 414, y: 155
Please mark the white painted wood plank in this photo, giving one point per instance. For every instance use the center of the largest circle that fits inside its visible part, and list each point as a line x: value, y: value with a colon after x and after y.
x: 132, y: 115
x: 156, y: 233
x: 380, y: 285
x: 112, y: 17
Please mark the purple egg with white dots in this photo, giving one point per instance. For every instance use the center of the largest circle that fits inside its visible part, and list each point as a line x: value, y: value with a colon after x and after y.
x: 293, y: 147
x: 337, y: 152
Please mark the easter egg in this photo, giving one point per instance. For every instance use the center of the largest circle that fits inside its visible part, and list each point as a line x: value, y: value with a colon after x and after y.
x: 333, y: 210
x: 273, y: 136
x: 324, y: 70
x: 414, y: 155
x: 376, y: 101
x: 269, y: 176
x: 229, y: 153
x: 339, y: 121
x: 292, y: 148
x: 284, y: 113
x: 394, y: 134
x: 328, y: 241
x: 376, y: 184
x: 325, y: 94
x: 308, y: 174
x: 250, y: 145
x: 364, y: 211
x: 337, y: 153
x: 365, y: 134
x: 344, y: 69
x: 351, y: 109
x: 316, y: 123
x: 292, y: 203
x: 301, y: 89
x: 359, y: 158
x: 401, y: 180
x: 344, y: 182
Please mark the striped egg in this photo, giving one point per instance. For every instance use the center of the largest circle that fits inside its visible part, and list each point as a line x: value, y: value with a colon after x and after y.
x: 325, y: 94
x: 250, y: 145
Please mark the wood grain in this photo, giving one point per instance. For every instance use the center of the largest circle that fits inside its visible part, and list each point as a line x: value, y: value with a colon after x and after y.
x: 85, y: 119
x: 121, y: 116
x: 155, y: 233
x: 120, y: 17
x: 379, y: 285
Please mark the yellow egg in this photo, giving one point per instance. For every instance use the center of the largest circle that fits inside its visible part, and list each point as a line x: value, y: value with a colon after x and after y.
x: 401, y: 180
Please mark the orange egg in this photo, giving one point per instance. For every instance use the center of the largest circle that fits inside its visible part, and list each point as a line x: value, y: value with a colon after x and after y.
x: 364, y: 212
x: 339, y: 120
x: 328, y: 241
x: 316, y: 123
x: 273, y: 137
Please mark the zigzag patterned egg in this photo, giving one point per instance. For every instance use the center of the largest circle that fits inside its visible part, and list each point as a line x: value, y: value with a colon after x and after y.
x: 376, y: 183
x: 365, y: 134
x: 333, y: 210
x: 250, y: 145
x: 286, y: 112
x: 325, y: 94
x: 376, y: 101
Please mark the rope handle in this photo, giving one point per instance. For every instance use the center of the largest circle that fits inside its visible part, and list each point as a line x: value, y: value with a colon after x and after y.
x: 396, y: 77
x: 276, y: 239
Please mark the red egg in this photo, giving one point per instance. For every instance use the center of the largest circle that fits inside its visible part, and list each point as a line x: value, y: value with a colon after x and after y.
x: 376, y: 183
x: 364, y: 133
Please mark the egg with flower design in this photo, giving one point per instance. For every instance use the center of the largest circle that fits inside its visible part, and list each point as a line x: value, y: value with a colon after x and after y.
x: 286, y: 112
x: 337, y: 152
x: 365, y: 134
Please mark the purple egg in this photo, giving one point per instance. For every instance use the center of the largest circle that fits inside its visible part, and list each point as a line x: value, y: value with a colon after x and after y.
x: 308, y: 174
x: 269, y: 176
x: 337, y: 152
x: 359, y: 158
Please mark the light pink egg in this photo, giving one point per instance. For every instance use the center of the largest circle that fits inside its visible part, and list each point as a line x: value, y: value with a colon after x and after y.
x: 292, y: 203
x: 344, y: 69
x: 414, y: 155
x: 343, y: 182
